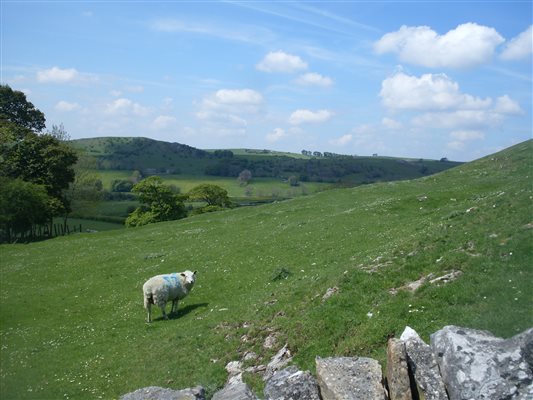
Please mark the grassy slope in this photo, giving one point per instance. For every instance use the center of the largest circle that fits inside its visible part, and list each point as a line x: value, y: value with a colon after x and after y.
x: 71, y: 318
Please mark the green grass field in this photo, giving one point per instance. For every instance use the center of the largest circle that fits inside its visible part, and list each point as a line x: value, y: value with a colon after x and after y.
x: 72, y: 323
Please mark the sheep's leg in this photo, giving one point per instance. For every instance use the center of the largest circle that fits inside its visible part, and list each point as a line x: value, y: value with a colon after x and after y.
x: 175, y: 306
x: 149, y: 309
x: 163, y: 311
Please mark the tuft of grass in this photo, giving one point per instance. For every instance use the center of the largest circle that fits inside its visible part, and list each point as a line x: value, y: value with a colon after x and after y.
x: 71, y: 317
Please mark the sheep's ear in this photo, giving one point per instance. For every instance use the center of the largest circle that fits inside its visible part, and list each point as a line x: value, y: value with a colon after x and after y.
x: 194, y: 273
x: 182, y: 274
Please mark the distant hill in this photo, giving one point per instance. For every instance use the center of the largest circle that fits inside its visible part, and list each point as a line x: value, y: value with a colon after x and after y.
x: 157, y: 157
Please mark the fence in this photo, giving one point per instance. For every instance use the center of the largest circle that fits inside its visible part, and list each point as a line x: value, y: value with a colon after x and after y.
x: 39, y: 232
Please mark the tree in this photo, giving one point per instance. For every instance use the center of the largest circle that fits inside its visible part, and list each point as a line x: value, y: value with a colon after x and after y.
x: 59, y: 132
x: 16, y: 109
x: 213, y: 195
x: 22, y: 205
x: 158, y: 203
x: 244, y: 177
x: 293, y: 180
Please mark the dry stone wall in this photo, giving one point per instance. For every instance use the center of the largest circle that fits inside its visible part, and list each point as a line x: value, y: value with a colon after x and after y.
x: 458, y: 364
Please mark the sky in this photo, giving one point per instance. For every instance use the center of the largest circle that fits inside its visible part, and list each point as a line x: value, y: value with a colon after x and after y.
x: 420, y: 79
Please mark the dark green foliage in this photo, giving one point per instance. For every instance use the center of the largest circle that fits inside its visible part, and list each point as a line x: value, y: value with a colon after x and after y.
x: 121, y: 185
x: 158, y: 203
x: 16, y: 109
x: 22, y: 205
x: 213, y: 195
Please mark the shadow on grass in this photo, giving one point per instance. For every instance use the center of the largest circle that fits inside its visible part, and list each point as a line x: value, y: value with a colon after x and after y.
x: 182, y: 312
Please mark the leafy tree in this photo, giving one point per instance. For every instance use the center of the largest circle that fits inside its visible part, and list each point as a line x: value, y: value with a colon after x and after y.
x: 244, y: 177
x: 158, y: 203
x: 22, y: 205
x: 213, y: 195
x: 293, y: 181
x: 59, y: 132
x: 16, y: 109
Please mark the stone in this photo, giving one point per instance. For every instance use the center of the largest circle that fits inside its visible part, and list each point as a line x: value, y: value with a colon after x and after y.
x: 350, y: 378
x: 235, y: 391
x: 330, y: 292
x: 159, y: 393
x: 280, y: 360
x: 292, y: 384
x: 397, y: 371
x: 477, y: 365
x: 423, y: 366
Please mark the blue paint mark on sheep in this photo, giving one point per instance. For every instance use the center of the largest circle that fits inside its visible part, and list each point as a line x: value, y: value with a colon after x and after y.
x: 172, y: 280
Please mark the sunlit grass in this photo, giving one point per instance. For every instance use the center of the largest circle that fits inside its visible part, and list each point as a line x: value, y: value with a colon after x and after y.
x: 72, y: 323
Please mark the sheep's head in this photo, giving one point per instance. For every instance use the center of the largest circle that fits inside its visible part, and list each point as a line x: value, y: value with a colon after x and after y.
x: 189, y: 277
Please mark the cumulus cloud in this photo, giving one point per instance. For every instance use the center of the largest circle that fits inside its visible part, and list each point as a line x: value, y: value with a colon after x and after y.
x: 506, y: 105
x: 314, y: 79
x: 302, y: 116
x: 243, y: 96
x: 520, y: 47
x: 467, y: 45
x: 57, y: 75
x: 279, y: 61
x: 66, y: 106
x: 461, y: 119
x: 429, y: 92
x: 390, y: 123
x: 342, y: 141
x: 163, y: 122
x: 125, y: 106
x: 276, y: 135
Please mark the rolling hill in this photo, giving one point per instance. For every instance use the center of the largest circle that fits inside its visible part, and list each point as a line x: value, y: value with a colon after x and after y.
x: 71, y: 317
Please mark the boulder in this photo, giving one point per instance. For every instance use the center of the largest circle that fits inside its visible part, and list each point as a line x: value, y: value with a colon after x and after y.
x: 278, y: 361
x: 350, y: 378
x: 423, y: 366
x: 236, y: 390
x: 477, y: 365
x: 159, y: 393
x: 291, y: 384
x: 397, y: 371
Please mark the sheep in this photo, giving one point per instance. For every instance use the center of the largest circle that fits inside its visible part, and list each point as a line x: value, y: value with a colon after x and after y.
x: 162, y: 288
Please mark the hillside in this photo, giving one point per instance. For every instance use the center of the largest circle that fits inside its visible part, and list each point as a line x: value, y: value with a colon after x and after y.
x: 71, y: 317
x: 156, y: 157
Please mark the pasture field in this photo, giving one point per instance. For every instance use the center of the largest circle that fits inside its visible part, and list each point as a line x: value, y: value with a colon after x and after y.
x: 72, y: 324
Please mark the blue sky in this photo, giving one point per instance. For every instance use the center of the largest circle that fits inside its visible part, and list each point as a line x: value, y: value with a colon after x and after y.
x: 417, y: 79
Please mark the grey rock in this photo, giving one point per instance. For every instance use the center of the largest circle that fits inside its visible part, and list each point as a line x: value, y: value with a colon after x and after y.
x: 235, y: 391
x: 292, y: 384
x: 423, y: 365
x: 350, y: 378
x: 159, y: 393
x: 477, y: 365
x: 397, y: 371
x: 278, y: 361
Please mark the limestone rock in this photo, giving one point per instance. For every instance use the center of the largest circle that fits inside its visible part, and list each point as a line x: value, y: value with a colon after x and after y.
x: 159, y: 393
x: 280, y: 360
x: 423, y: 365
x: 292, y: 384
x: 397, y: 371
x: 235, y: 391
x: 350, y: 378
x: 477, y: 365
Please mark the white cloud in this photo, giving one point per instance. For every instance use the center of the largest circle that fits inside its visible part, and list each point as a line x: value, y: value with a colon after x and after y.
x: 243, y: 96
x: 163, y: 122
x: 390, y: 123
x: 520, y: 47
x: 506, y: 105
x: 303, y: 116
x: 464, y: 136
x: 125, y: 106
x: 461, y: 119
x: 279, y: 61
x: 314, y: 79
x: 467, y: 45
x: 275, y: 135
x: 57, y: 75
x: 342, y: 141
x: 429, y: 92
x: 66, y: 106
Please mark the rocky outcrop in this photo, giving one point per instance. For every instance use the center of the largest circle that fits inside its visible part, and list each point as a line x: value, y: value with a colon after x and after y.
x: 476, y: 365
x: 460, y: 364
